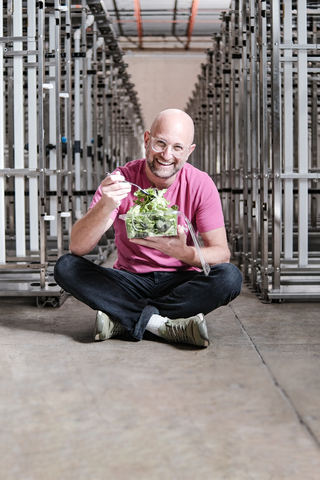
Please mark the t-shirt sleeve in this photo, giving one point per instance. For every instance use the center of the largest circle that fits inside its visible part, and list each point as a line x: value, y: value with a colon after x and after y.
x: 209, y: 215
x: 96, y: 199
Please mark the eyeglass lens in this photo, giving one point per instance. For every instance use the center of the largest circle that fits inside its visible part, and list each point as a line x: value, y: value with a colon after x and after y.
x: 160, y: 146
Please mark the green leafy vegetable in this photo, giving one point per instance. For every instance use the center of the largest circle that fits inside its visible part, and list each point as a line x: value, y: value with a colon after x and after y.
x: 151, y: 216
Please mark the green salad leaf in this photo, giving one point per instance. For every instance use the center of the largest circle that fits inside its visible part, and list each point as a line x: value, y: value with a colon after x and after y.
x: 151, y: 216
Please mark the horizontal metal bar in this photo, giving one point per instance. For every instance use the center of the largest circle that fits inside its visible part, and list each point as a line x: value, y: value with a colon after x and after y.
x: 293, y: 176
x: 294, y: 292
x: 299, y: 279
x: 300, y: 271
x: 309, y: 70
x: 29, y: 172
x: 20, y: 266
x: 308, y: 46
x: 26, y: 289
x: 17, y: 39
x: 20, y: 53
x: 295, y: 59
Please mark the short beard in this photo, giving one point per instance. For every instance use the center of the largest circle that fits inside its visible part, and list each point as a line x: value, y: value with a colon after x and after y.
x: 151, y: 164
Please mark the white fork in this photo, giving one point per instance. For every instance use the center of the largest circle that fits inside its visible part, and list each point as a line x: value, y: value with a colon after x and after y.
x: 141, y: 189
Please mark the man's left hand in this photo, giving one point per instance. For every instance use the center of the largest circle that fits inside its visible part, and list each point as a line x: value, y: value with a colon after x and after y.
x: 175, y: 247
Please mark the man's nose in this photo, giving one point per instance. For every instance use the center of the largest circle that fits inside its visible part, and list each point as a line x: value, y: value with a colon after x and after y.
x: 167, y: 153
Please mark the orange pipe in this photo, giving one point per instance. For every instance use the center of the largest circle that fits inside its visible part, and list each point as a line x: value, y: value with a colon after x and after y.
x: 137, y: 14
x: 192, y: 19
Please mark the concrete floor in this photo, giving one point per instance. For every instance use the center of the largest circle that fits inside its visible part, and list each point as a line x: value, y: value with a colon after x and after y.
x: 247, y: 407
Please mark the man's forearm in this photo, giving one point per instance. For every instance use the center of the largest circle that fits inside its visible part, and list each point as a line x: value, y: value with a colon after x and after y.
x: 87, y: 231
x: 212, y: 255
x: 176, y: 247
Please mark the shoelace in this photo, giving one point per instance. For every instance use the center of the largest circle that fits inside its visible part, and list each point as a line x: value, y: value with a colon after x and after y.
x: 177, y: 333
x: 118, y: 329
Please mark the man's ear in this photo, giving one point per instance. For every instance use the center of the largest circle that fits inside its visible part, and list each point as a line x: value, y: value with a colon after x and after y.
x: 146, y: 137
x: 191, y: 148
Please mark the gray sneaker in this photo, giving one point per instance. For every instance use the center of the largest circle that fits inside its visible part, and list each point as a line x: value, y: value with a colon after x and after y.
x: 191, y: 330
x: 106, y: 328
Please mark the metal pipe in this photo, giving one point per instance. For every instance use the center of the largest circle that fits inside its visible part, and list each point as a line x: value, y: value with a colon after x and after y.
x: 52, y: 129
x: 77, y: 115
x: 42, y: 185
x: 287, y: 132
x: 276, y: 142
x: 32, y: 130
x: 2, y: 197
x: 68, y: 106
x: 89, y: 120
x: 302, y: 134
x: 20, y: 223
x: 58, y: 126
x: 264, y: 151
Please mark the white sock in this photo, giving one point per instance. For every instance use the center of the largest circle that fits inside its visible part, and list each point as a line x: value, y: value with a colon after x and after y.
x: 154, y: 323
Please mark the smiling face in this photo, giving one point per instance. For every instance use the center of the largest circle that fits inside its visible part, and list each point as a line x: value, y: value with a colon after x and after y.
x: 176, y: 129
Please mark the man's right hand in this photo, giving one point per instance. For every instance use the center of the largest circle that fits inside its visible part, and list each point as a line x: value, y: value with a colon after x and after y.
x: 88, y: 230
x: 114, y: 189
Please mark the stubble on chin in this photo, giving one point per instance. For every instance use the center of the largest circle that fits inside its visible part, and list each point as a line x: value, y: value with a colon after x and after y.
x: 157, y: 170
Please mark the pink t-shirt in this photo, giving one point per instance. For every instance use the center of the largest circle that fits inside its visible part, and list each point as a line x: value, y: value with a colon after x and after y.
x: 197, y: 198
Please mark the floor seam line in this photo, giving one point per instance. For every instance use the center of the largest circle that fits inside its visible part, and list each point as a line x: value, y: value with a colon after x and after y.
x: 281, y: 390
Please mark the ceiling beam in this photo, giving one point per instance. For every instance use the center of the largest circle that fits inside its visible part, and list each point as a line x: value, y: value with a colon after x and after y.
x: 174, y: 18
x: 194, y: 11
x: 137, y: 14
x: 115, y: 6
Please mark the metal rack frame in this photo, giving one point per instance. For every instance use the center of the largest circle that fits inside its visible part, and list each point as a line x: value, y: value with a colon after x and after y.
x: 68, y: 110
x: 258, y: 100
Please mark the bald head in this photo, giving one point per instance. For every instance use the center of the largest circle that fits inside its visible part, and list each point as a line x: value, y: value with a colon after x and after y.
x: 173, y: 131
x: 175, y: 120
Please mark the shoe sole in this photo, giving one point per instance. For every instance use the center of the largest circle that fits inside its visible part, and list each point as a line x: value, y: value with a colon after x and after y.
x: 105, y: 328
x: 99, y: 328
x: 200, y: 330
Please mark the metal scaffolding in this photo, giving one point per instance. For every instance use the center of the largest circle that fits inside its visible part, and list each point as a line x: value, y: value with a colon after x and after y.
x: 69, y: 114
x: 256, y: 107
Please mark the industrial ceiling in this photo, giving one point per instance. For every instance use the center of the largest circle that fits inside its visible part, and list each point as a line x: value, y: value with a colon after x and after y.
x: 166, y: 24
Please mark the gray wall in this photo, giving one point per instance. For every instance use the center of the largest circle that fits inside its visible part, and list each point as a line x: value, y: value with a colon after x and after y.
x: 163, y: 80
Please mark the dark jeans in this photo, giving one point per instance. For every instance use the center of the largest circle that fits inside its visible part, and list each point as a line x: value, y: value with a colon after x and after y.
x: 132, y: 298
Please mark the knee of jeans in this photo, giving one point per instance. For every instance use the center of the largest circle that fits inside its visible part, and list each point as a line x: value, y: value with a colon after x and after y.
x: 62, y: 266
x: 233, y: 276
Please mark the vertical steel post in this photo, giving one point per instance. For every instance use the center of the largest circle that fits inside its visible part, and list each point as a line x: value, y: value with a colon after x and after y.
x: 95, y: 109
x: 89, y: 119
x: 77, y: 134
x: 210, y: 112
x: 2, y: 183
x: 288, y: 130
x: 10, y: 108
x: 86, y: 22
x: 58, y: 127
x: 32, y: 130
x: 245, y: 158
x: 42, y: 187
x: 254, y: 122
x: 302, y: 133
x: 68, y: 107
x: 52, y: 119
x: 264, y: 148
x: 276, y: 141
x: 20, y: 222
x: 235, y: 120
x: 315, y: 141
